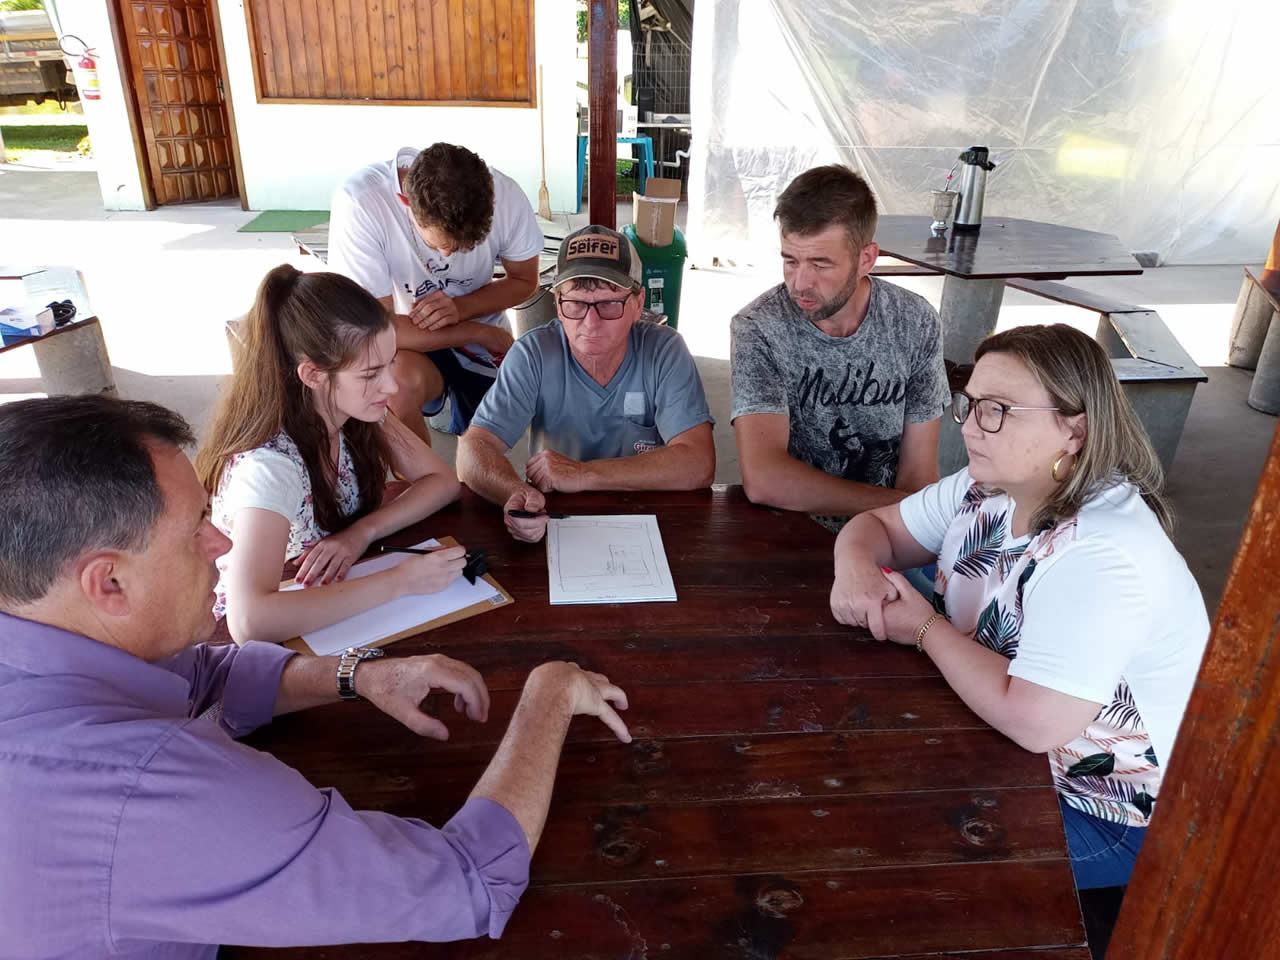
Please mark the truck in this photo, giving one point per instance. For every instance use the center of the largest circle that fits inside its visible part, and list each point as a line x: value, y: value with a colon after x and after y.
x: 32, y: 65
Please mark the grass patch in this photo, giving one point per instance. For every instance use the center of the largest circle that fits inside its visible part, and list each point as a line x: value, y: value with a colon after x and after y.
x: 627, y: 178
x: 62, y: 137
x: 624, y: 184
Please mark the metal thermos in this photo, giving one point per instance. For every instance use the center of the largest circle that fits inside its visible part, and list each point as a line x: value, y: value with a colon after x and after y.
x: 973, y: 186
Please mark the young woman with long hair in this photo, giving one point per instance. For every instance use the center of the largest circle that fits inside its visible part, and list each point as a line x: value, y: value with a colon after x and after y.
x: 1063, y: 615
x: 297, y: 458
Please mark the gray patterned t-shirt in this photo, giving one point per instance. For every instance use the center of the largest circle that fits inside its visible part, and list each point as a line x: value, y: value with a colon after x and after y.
x: 848, y: 399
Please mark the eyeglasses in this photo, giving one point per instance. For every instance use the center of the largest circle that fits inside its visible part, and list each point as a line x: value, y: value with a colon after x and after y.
x: 605, y: 309
x: 990, y: 413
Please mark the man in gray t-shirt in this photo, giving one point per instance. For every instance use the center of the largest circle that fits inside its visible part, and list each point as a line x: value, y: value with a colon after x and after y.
x: 598, y: 387
x: 838, y: 380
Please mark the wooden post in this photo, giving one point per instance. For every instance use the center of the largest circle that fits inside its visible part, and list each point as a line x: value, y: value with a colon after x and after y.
x: 1204, y: 884
x: 602, y: 91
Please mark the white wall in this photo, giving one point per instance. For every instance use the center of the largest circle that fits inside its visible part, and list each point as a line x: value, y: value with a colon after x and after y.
x: 294, y: 155
x: 108, y: 119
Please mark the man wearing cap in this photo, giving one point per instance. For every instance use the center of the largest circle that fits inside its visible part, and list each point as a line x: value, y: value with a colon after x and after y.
x: 614, y: 403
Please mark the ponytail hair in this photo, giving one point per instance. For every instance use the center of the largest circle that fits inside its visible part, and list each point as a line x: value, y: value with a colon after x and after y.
x: 322, y: 317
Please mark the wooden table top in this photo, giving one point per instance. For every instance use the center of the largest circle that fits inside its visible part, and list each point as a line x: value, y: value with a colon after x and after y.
x: 793, y: 789
x: 1005, y: 247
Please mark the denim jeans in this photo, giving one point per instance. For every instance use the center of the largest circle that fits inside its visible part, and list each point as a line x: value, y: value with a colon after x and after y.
x: 922, y: 579
x: 1102, y: 851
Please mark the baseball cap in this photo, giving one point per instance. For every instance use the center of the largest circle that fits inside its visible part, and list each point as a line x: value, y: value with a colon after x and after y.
x: 596, y: 251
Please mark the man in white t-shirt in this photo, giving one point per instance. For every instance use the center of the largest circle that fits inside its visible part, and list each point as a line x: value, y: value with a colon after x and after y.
x: 422, y: 233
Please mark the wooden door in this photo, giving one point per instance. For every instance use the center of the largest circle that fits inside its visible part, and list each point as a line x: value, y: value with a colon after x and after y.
x: 177, y: 81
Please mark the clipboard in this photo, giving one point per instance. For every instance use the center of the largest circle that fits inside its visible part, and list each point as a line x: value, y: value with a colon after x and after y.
x: 501, y: 599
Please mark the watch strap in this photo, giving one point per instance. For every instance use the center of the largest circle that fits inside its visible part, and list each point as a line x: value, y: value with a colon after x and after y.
x: 347, y: 663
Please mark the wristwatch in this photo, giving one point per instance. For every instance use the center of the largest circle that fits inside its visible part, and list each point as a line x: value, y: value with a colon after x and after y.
x: 347, y: 669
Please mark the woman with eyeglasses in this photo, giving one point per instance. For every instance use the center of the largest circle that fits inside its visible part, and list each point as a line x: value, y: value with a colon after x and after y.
x: 1062, y: 613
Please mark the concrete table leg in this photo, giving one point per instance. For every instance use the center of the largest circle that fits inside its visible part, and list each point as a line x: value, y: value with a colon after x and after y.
x: 75, y: 362
x: 952, y: 455
x: 969, y: 312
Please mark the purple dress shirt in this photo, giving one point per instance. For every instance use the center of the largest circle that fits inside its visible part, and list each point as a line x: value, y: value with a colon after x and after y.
x: 133, y: 825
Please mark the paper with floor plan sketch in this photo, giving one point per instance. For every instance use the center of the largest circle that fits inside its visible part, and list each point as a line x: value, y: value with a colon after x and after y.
x: 609, y: 559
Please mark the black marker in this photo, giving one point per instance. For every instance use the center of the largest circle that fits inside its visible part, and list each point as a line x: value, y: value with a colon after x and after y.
x: 532, y: 515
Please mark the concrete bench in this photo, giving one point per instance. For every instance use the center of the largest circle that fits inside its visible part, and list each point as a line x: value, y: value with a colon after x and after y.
x: 314, y: 241
x: 891, y: 267
x: 1157, y: 374
x: 1255, y: 342
x: 537, y: 311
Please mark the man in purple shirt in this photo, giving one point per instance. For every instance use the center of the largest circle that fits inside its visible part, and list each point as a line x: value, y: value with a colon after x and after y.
x: 131, y: 823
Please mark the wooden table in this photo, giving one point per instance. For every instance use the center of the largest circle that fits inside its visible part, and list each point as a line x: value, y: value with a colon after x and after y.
x: 793, y: 790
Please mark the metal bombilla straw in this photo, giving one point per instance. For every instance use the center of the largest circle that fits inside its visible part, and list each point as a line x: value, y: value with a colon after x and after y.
x: 944, y: 203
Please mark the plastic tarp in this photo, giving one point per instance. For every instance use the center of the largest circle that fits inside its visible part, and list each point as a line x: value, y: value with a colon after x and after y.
x: 1154, y: 120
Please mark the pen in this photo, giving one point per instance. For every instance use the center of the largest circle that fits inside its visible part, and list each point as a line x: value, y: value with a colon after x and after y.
x: 477, y: 561
x: 531, y: 515
x: 416, y: 550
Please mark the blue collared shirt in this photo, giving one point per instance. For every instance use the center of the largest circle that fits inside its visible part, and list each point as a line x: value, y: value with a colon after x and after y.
x: 132, y: 824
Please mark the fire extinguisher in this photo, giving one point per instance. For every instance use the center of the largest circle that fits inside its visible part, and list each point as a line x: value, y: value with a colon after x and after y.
x: 87, y: 69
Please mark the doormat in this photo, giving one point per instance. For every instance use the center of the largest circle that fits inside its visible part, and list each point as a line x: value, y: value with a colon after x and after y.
x: 284, y: 221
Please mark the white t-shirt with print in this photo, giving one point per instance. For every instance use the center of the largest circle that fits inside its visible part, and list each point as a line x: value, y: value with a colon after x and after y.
x: 372, y: 241
x: 274, y: 477
x: 1101, y: 607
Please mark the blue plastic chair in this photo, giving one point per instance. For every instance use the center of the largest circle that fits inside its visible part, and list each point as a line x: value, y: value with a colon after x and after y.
x: 646, y: 164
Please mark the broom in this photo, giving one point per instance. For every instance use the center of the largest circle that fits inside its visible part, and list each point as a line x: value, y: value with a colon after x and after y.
x: 544, y: 199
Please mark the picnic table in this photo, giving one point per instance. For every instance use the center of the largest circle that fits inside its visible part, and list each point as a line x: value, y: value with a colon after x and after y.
x: 73, y: 357
x: 793, y: 789
x: 976, y: 264
x: 1158, y: 375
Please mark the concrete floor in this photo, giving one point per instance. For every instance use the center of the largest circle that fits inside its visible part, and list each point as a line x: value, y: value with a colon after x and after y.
x: 165, y: 282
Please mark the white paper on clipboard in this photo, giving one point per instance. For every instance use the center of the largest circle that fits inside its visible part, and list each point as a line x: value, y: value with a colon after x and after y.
x: 398, y: 615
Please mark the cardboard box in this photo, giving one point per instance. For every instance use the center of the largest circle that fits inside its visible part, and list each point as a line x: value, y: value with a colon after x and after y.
x: 18, y: 324
x: 654, y: 214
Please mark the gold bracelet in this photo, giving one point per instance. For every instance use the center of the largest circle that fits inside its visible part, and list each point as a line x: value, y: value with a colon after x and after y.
x: 924, y: 628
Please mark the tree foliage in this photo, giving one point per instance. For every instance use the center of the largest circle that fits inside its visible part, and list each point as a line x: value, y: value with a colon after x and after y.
x: 624, y: 19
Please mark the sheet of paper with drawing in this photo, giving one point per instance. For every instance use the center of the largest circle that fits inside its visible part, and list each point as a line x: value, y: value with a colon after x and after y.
x: 405, y: 615
x: 609, y: 559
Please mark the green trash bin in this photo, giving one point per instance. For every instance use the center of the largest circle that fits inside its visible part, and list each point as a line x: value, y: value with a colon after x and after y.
x: 663, y: 267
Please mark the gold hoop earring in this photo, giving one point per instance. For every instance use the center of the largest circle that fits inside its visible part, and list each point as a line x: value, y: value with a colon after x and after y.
x: 1057, y: 464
